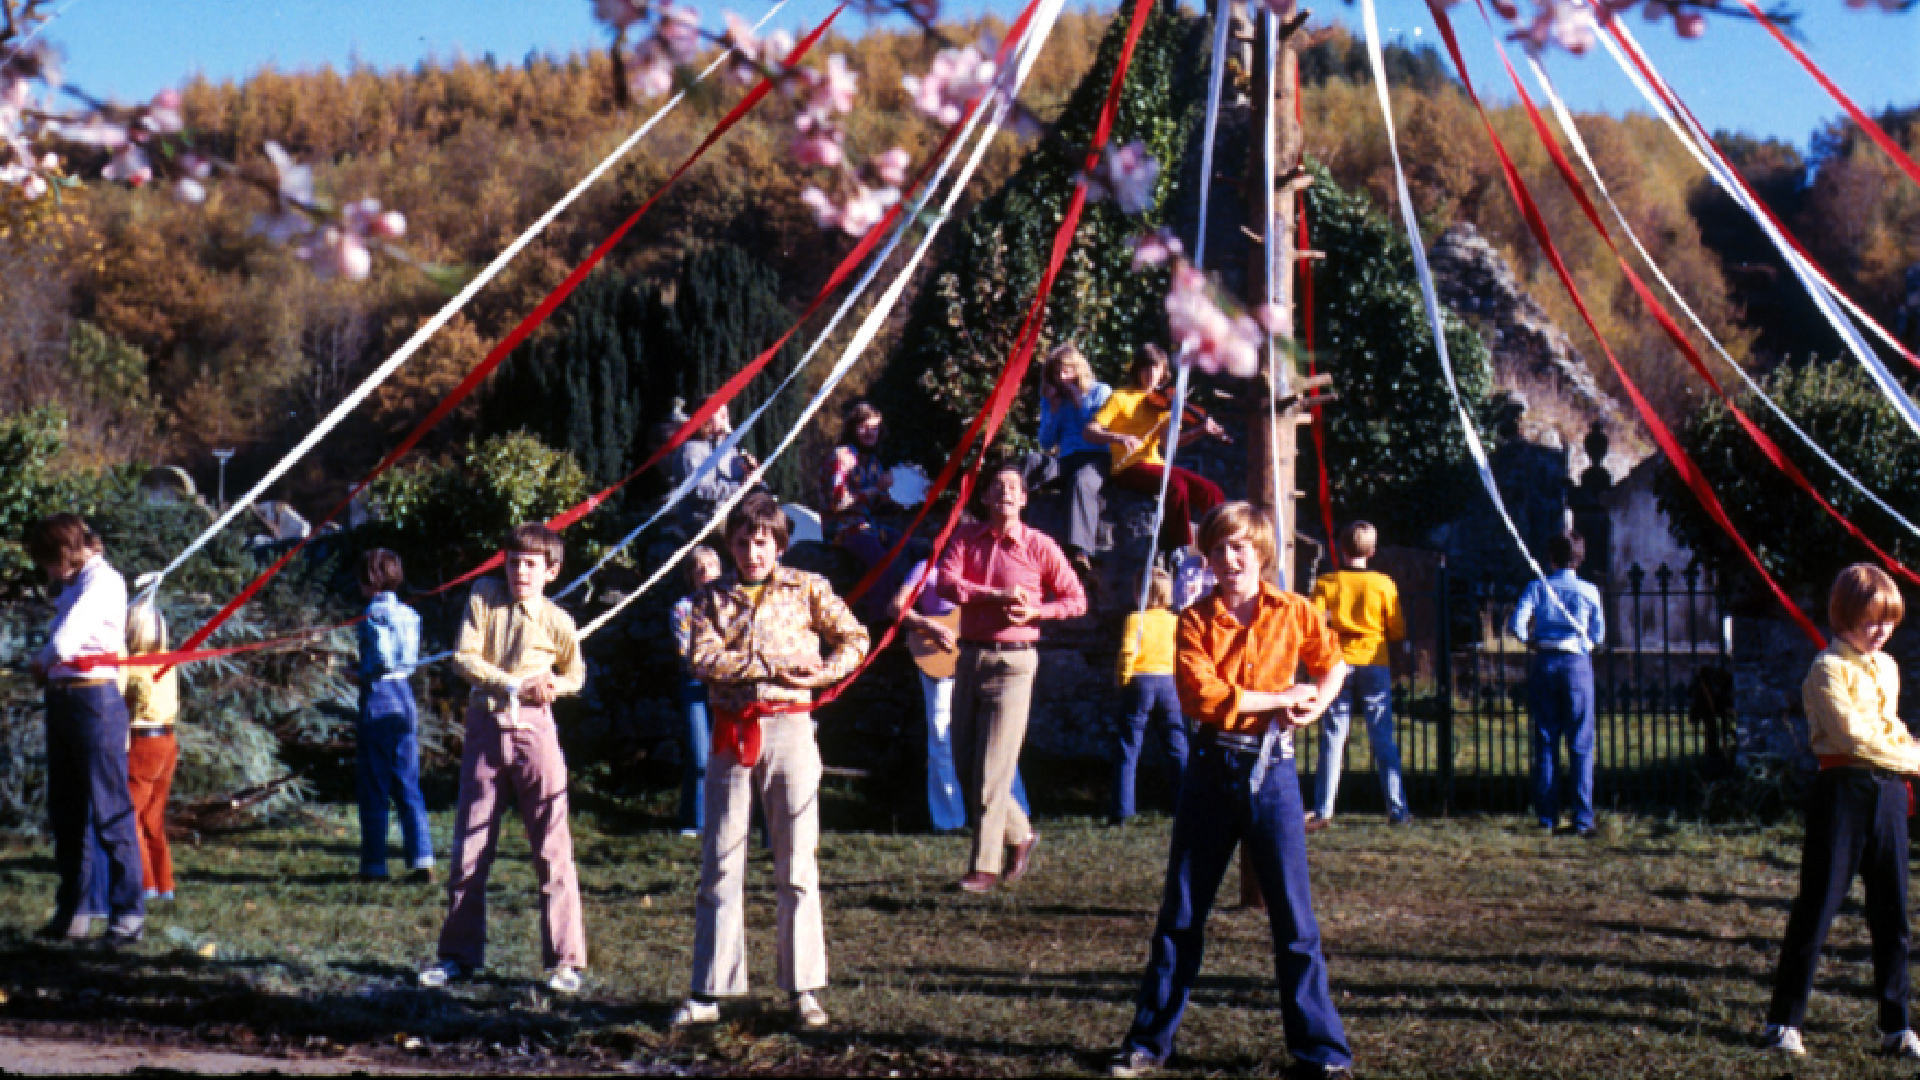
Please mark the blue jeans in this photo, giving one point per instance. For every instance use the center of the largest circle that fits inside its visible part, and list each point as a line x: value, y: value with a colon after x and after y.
x: 1373, y: 685
x: 698, y: 736
x: 89, y: 803
x: 388, y: 767
x: 1217, y: 811
x: 1560, y: 695
x: 1149, y: 699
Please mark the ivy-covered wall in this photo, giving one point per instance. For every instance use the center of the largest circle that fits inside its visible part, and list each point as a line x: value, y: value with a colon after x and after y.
x: 961, y: 327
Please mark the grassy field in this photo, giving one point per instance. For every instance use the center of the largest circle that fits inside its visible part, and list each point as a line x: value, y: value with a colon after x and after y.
x: 1471, y: 947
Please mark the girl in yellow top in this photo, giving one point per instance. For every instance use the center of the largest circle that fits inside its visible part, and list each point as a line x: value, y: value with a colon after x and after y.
x: 153, y: 702
x: 1148, y: 694
x: 1362, y: 608
x: 1856, y: 812
x: 1133, y: 425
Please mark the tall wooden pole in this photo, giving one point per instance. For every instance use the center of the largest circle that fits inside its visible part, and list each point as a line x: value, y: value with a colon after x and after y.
x: 1272, y: 445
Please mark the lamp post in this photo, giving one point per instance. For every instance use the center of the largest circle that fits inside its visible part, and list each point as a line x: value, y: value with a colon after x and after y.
x: 224, y: 456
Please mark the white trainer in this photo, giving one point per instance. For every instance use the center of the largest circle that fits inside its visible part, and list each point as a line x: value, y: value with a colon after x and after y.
x: 564, y: 980
x: 693, y: 1012
x: 1786, y: 1040
x: 442, y: 973
x: 1901, y: 1044
x: 806, y: 1008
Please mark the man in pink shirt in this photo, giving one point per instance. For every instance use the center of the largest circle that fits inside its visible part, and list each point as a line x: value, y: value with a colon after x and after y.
x: 1006, y: 578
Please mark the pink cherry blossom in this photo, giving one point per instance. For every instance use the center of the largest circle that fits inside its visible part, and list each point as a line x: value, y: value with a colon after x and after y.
x: 1204, y: 331
x: 954, y: 79
x: 93, y: 131
x: 776, y: 47
x: 1690, y: 24
x: 836, y: 92
x: 825, y: 213
x: 620, y: 14
x: 1155, y: 248
x: 163, y: 114
x: 679, y: 31
x: 891, y: 167
x: 189, y: 190
x: 129, y: 165
x: 819, y: 143
x: 865, y: 209
x: 1566, y: 23
x: 1125, y: 174
x: 294, y: 180
x: 365, y: 218
x: 650, y: 69
x: 337, y: 252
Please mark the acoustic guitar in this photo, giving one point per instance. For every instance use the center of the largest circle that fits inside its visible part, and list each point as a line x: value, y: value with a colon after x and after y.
x: 928, y: 656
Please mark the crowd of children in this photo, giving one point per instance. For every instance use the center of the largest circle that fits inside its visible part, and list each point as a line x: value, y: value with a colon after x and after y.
x: 1214, y: 679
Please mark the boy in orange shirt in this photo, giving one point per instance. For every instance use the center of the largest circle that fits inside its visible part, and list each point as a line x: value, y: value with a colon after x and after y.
x: 1238, y: 651
x: 1362, y: 607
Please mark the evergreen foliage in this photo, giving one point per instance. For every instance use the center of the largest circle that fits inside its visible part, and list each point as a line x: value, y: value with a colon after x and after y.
x: 1838, y: 405
x: 961, y: 327
x: 625, y: 352
x: 1395, y: 452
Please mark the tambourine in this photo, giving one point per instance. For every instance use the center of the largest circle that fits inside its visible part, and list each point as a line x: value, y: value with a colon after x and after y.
x: 910, y: 485
x: 803, y: 525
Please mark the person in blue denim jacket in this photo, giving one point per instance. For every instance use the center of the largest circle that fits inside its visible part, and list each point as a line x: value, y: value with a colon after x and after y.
x: 388, y: 727
x: 1561, y: 620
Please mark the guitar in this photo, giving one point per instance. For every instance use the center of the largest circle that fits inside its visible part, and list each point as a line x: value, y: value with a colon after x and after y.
x: 934, y: 661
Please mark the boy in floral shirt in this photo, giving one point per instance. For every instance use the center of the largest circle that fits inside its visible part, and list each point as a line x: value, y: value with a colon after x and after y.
x: 764, y: 636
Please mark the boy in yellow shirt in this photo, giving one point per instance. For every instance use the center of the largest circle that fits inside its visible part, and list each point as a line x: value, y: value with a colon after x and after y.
x: 1146, y: 688
x: 1362, y: 607
x: 1856, y: 813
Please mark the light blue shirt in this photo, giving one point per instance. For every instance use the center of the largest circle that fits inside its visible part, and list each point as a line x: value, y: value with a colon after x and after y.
x: 1554, y: 630
x: 1063, y: 427
x: 389, y: 640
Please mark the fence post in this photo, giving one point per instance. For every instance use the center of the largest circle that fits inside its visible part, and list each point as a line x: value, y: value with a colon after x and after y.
x: 1443, y: 674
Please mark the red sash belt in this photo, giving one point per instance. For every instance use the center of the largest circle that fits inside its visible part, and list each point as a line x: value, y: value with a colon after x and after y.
x: 1848, y: 761
x: 739, y: 733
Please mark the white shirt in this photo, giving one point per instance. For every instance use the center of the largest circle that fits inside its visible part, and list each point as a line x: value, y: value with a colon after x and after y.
x: 89, y: 618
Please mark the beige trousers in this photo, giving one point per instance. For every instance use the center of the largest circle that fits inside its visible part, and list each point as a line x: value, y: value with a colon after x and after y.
x: 991, y: 692
x: 787, y: 779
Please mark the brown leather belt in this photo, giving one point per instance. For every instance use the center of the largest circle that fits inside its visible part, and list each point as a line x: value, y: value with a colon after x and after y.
x: 75, y: 684
x: 998, y: 646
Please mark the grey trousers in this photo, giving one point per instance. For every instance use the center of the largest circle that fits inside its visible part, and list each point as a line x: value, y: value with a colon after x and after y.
x: 991, y: 694
x: 787, y: 778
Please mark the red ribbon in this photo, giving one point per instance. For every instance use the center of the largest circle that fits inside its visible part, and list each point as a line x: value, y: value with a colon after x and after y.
x: 1768, y: 447
x: 738, y: 732
x: 988, y: 421
x: 1306, y: 324
x: 519, y: 333
x: 1679, y: 108
x: 1676, y: 455
x: 1874, y: 131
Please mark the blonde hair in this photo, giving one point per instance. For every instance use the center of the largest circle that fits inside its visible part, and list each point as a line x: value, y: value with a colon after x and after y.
x: 1062, y: 357
x: 1231, y: 521
x: 699, y: 556
x: 146, y: 629
x: 1862, y: 595
x: 1160, y: 590
x: 1360, y: 539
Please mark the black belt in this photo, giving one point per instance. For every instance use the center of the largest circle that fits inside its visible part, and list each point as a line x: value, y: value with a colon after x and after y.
x: 1226, y: 740
x: 152, y: 732
x: 998, y: 646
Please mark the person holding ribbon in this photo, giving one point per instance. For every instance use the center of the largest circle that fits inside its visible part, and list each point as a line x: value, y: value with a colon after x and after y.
x: 724, y: 476
x: 764, y: 638
x: 520, y: 652
x: 87, y: 731
x: 1238, y: 651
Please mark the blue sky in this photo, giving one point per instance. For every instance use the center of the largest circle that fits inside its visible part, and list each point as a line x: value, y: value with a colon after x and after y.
x: 1735, y: 78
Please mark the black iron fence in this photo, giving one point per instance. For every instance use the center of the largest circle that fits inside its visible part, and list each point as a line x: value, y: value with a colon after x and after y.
x: 1661, y: 682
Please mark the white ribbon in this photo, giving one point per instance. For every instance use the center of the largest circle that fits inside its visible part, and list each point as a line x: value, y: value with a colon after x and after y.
x: 1277, y: 373
x: 1215, y: 80
x: 1824, y: 295
x: 1044, y: 19
x: 1565, y: 120
x: 1432, y: 301
x: 734, y: 437
x: 431, y: 327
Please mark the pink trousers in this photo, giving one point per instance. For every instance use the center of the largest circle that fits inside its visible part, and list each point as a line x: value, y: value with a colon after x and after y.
x: 499, y: 768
